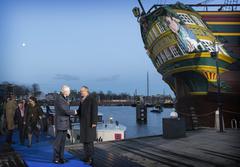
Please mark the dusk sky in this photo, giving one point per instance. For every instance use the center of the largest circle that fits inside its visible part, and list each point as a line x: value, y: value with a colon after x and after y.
x: 93, y: 42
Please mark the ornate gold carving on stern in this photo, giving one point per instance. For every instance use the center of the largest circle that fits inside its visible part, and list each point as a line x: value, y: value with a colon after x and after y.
x: 210, y: 76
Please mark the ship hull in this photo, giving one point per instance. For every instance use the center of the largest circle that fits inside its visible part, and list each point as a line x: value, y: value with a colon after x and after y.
x: 180, y: 43
x: 199, y: 108
x: 225, y: 26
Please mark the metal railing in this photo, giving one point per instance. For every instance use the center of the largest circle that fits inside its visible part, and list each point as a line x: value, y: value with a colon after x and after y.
x: 206, y: 7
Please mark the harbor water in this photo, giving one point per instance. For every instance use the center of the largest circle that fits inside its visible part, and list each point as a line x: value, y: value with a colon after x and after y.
x: 126, y: 115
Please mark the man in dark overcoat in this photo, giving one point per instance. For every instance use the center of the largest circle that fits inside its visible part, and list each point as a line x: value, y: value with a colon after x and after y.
x: 88, y: 115
x: 62, y: 123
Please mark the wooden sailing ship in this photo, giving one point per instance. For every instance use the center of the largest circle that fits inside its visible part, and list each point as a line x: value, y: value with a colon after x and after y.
x: 181, y: 42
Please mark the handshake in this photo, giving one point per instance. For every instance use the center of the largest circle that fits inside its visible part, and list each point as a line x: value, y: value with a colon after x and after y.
x: 75, y: 112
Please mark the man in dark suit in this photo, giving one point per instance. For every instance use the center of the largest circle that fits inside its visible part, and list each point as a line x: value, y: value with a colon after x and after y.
x: 62, y: 123
x: 88, y: 114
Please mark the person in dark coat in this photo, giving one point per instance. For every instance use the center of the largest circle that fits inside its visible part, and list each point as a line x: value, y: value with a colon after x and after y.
x: 62, y: 123
x: 11, y: 106
x: 88, y: 115
x: 20, y: 120
x: 33, y: 116
x: 3, y: 118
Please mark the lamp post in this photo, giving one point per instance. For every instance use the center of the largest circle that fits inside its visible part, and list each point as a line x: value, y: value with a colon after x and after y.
x: 215, y: 55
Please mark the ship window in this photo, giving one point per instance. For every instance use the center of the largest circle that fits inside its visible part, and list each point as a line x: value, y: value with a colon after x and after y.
x: 164, y: 58
x: 157, y: 62
x: 175, y: 51
x: 160, y: 59
x: 208, y: 45
x: 198, y: 21
x: 168, y: 54
x: 181, y: 47
x: 161, y: 27
x: 185, y: 18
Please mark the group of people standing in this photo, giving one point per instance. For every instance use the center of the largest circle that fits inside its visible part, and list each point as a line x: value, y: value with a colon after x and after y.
x: 27, y: 115
x: 23, y: 115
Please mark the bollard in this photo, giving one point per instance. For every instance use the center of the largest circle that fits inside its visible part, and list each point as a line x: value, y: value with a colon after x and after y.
x: 141, y: 113
x: 217, y: 127
x: 234, y: 124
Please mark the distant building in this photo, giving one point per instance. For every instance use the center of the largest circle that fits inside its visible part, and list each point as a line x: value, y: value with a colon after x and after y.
x: 50, y: 96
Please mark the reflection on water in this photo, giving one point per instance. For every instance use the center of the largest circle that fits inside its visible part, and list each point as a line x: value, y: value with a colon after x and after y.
x: 126, y: 115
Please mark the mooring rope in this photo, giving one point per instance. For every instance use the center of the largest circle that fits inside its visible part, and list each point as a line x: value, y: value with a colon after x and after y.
x: 231, y: 112
x: 200, y: 115
x: 206, y: 114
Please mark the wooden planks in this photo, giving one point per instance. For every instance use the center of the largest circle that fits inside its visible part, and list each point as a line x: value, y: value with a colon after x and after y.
x: 11, y: 159
x: 201, y: 148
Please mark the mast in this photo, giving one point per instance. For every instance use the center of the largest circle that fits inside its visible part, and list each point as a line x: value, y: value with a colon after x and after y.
x: 140, y: 3
x: 147, y: 84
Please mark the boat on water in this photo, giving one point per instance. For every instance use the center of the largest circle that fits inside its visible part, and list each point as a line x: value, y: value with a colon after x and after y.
x: 196, y: 49
x: 168, y: 103
x: 157, y: 110
x: 109, y: 130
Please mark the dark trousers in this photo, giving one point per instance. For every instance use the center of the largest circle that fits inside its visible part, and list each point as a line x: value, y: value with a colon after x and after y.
x: 22, y: 134
x: 59, y: 144
x: 9, y: 136
x: 88, y: 149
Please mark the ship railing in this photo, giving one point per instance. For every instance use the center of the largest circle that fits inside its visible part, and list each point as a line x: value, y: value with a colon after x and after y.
x: 234, y: 124
x: 217, y: 7
x: 203, y: 7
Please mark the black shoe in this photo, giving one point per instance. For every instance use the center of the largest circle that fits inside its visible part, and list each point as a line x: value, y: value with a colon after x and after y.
x: 63, y: 160
x: 10, y: 142
x: 29, y: 145
x: 85, y: 159
x: 89, y: 161
x: 57, y: 162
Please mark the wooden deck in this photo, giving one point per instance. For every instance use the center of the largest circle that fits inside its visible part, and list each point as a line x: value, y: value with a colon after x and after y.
x: 200, y: 148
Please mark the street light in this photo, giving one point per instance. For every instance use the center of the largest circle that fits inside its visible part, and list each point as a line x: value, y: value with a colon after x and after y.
x: 215, y: 55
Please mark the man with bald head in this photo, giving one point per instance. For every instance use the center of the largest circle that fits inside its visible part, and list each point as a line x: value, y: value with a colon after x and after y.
x: 62, y: 123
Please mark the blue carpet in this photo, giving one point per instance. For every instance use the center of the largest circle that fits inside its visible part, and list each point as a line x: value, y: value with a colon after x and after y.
x: 41, y: 154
